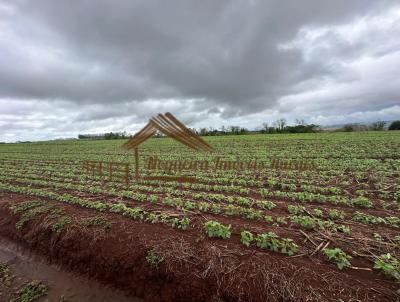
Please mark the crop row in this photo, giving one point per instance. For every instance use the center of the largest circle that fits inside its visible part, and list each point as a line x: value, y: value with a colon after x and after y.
x: 136, y: 213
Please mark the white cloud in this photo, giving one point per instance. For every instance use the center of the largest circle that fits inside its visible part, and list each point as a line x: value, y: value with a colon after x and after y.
x: 66, y: 70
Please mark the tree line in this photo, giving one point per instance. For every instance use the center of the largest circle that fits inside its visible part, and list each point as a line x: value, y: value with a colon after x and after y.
x: 376, y: 126
x: 279, y: 126
x: 108, y: 135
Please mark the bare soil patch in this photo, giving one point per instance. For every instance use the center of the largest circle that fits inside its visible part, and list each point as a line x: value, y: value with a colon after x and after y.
x: 194, y: 268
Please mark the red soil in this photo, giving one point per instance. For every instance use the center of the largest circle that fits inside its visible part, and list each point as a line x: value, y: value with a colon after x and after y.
x: 195, y: 268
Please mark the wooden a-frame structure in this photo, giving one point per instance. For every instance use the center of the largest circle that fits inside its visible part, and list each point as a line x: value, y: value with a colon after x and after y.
x: 170, y: 126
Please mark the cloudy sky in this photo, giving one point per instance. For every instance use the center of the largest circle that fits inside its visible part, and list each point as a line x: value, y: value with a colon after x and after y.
x: 69, y: 67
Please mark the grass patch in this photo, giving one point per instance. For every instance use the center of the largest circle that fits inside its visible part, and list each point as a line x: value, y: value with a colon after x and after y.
x: 154, y: 258
x: 96, y: 221
x: 24, y: 206
x: 30, y: 292
x: 30, y: 214
x: 30, y: 209
x: 61, y: 223
x: 5, y: 274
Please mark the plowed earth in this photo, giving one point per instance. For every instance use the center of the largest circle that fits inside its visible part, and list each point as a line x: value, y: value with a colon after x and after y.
x: 194, y: 268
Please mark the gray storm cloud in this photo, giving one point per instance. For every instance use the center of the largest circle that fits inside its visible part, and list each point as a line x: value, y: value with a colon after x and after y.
x: 215, y: 62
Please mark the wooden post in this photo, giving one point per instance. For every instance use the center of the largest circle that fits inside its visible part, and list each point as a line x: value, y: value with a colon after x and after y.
x: 92, y: 166
x: 110, y: 173
x: 137, y: 163
x: 127, y: 174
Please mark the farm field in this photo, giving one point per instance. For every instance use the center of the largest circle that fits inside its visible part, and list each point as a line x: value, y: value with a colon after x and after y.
x: 328, y: 233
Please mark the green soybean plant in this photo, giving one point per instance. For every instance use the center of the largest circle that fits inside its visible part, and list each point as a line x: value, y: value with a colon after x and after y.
x: 336, y: 214
x: 338, y: 256
x: 246, y: 238
x: 217, y: 230
x: 269, y: 241
x: 362, y: 202
x: 288, y: 247
x: 389, y: 265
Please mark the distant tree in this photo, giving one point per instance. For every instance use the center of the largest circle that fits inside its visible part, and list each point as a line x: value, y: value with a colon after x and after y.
x: 203, y: 131
x: 110, y: 135
x: 234, y: 130
x: 361, y: 127
x: 395, y: 125
x: 354, y: 127
x: 348, y: 128
x: 281, y: 127
x: 212, y: 131
x: 302, y: 128
x: 265, y: 128
x: 115, y: 135
x: 377, y: 126
x: 280, y: 124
